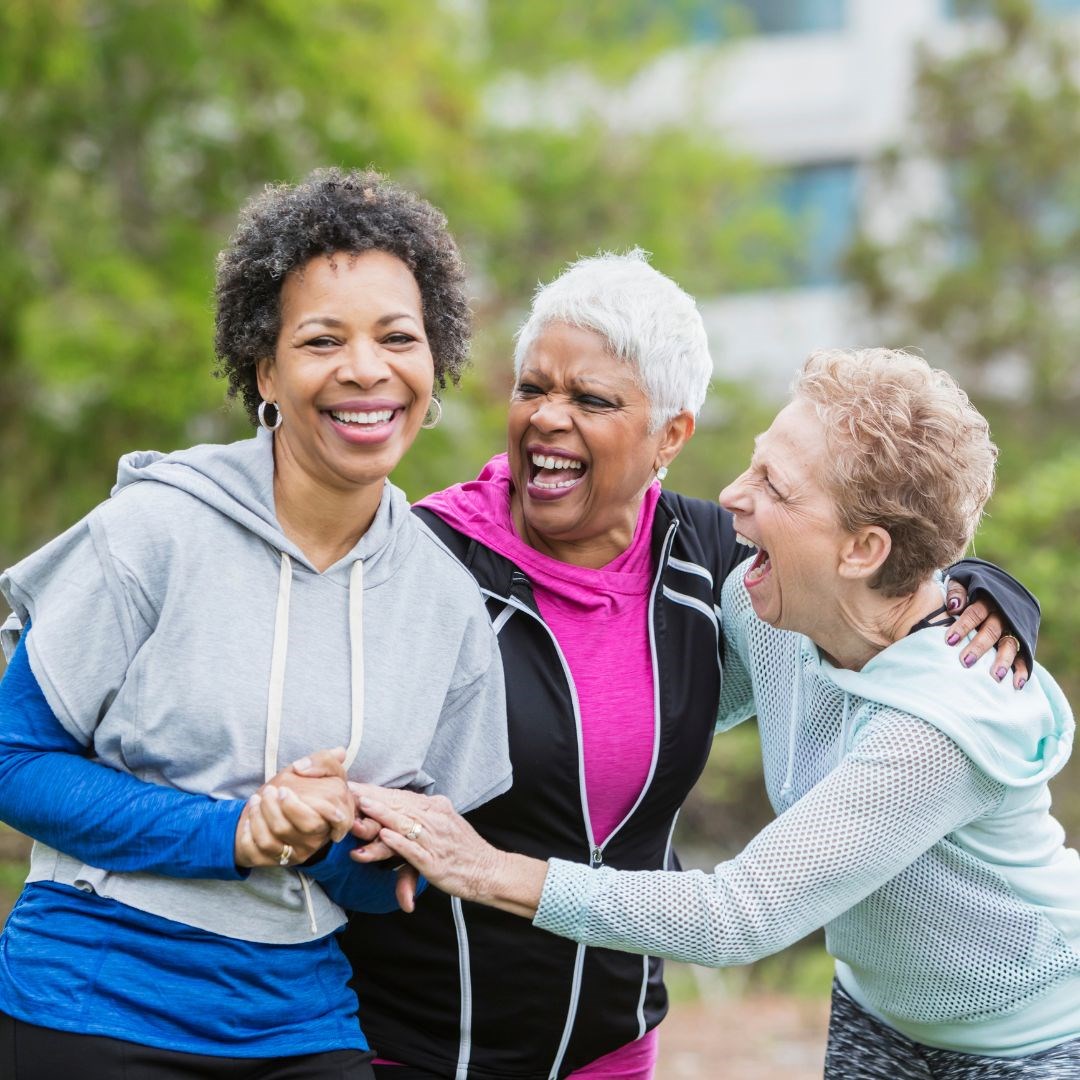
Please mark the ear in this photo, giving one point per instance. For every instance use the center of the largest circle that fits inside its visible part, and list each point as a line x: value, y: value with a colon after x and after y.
x: 264, y: 375
x: 864, y: 552
x: 673, y: 437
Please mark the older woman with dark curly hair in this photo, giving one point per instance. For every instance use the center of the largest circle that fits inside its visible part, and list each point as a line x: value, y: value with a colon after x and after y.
x: 227, y: 611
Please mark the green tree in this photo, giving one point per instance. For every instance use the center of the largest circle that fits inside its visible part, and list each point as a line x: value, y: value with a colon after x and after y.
x: 133, y: 129
x: 991, y: 274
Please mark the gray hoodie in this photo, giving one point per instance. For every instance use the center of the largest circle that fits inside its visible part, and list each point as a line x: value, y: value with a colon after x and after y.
x: 183, y: 638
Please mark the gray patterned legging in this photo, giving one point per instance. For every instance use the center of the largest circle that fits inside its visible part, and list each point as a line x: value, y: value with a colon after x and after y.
x: 862, y: 1048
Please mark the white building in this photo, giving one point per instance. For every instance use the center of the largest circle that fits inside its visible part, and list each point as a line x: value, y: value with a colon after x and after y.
x: 820, y: 88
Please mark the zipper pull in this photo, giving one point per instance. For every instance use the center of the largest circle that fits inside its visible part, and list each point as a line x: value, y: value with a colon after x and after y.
x: 597, y: 858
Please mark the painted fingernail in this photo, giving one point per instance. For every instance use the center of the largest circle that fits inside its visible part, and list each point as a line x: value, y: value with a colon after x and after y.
x: 1000, y: 673
x: 1020, y: 684
x: 270, y: 792
x: 952, y: 639
x: 285, y: 794
x: 337, y: 815
x: 969, y: 659
x: 954, y: 603
x: 302, y: 764
x: 254, y: 801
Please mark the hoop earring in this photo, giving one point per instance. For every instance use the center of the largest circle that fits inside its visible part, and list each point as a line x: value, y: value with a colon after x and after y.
x: 262, y: 416
x: 431, y: 420
x: 661, y: 473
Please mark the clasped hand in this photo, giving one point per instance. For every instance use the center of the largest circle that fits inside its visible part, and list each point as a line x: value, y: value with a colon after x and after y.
x: 296, y: 813
x: 306, y: 806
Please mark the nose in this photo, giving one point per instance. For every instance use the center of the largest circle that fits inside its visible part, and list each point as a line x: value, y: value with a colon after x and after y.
x: 551, y: 415
x: 363, y: 364
x: 735, y: 497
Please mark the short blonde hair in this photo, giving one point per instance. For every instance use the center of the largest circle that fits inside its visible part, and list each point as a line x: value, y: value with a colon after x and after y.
x: 907, y: 451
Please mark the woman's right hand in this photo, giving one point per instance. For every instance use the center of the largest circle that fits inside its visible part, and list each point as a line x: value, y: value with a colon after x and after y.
x: 428, y: 833
x: 293, y: 816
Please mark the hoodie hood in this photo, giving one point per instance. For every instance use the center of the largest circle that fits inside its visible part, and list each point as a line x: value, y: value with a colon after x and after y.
x: 1018, y: 737
x: 237, y: 480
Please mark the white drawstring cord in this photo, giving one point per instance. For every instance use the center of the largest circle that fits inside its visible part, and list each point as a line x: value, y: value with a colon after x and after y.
x: 276, y: 693
x: 274, y: 700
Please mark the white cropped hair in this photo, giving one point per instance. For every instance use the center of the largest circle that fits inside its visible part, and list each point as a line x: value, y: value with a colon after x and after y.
x: 643, y: 317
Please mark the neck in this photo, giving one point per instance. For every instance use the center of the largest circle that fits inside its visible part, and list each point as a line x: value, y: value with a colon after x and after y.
x: 325, y: 522
x: 863, y: 622
x: 591, y: 552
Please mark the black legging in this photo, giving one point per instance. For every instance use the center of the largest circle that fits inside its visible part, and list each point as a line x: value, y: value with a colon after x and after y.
x: 29, y: 1052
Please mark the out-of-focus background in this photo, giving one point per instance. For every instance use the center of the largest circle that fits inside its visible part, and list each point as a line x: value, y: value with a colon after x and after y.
x: 816, y: 172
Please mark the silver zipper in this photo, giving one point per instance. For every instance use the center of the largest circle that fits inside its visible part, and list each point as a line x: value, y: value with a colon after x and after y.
x: 596, y: 851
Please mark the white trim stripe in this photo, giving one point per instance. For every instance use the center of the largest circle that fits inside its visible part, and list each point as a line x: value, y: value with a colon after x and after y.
x: 502, y: 618
x: 465, y: 978
x: 690, y: 568
x: 693, y: 602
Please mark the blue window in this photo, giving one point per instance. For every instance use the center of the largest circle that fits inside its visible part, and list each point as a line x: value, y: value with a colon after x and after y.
x: 715, y: 19
x: 794, y: 16
x: 963, y: 9
x: 821, y: 200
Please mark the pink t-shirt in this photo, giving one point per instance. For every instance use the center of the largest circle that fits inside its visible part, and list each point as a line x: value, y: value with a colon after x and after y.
x: 600, y: 620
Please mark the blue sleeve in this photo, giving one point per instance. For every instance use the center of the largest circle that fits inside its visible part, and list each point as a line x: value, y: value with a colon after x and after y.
x: 50, y: 790
x: 986, y: 580
x: 367, y: 887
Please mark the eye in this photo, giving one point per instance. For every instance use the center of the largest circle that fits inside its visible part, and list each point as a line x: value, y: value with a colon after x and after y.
x: 591, y: 401
x: 398, y: 337
x: 773, y: 488
x: 323, y: 341
x: 527, y: 390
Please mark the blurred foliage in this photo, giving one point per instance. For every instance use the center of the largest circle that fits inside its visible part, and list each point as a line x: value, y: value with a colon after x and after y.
x: 991, y: 274
x: 134, y: 129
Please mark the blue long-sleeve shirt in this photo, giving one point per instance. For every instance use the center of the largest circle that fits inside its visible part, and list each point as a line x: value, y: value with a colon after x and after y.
x: 80, y: 962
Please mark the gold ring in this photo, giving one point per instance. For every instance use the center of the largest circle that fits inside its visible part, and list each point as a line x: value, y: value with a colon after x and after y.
x: 286, y: 855
x: 1010, y: 637
x: 415, y: 829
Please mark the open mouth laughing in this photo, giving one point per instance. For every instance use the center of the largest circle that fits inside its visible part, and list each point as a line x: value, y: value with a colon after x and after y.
x: 553, y: 473
x: 760, y: 567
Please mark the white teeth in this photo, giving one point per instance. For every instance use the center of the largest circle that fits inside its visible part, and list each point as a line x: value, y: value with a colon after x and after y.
x: 379, y: 417
x: 558, y: 484
x: 745, y: 540
x: 542, y: 462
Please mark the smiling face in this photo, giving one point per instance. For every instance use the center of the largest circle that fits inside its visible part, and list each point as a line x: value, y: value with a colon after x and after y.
x: 352, y: 372
x: 580, y: 450
x: 781, y: 507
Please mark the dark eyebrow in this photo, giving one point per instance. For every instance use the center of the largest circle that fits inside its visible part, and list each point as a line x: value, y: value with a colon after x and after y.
x: 330, y: 320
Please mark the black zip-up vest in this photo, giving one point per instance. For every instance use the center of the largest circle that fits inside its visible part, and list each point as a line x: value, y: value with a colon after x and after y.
x: 469, y: 992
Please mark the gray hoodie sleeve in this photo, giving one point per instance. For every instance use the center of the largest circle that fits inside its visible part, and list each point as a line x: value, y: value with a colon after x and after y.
x: 469, y: 756
x: 86, y: 629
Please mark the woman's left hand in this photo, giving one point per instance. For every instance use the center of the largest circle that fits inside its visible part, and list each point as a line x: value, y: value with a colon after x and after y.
x: 992, y: 631
x: 449, y: 852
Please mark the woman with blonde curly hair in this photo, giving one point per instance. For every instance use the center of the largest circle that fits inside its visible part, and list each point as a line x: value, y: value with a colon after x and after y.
x: 913, y: 803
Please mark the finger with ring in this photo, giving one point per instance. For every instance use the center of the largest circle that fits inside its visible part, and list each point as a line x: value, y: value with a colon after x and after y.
x: 415, y: 829
x: 286, y: 855
x: 1013, y: 638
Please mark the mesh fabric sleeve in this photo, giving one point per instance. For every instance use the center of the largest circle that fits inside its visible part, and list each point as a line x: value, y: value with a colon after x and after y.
x: 903, y: 788
x: 736, y: 689
x: 51, y: 791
